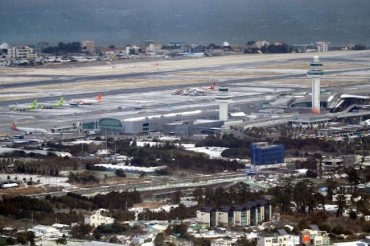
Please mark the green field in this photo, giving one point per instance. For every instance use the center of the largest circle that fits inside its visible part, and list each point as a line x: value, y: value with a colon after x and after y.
x: 2, y: 241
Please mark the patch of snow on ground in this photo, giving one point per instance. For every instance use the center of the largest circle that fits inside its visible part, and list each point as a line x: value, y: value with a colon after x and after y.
x: 212, y: 152
x: 44, y: 180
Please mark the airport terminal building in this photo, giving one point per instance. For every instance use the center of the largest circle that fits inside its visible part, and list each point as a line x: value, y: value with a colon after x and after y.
x: 177, y: 124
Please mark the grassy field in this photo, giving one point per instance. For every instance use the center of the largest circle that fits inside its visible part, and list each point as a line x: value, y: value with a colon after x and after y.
x: 2, y: 241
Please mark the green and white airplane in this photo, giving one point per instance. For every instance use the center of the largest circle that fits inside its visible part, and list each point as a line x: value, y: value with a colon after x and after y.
x: 24, y: 107
x: 58, y: 104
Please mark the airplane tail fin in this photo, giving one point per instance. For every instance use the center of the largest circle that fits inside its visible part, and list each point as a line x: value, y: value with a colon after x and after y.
x: 212, y: 87
x: 34, y: 104
x: 100, y: 97
x: 60, y: 102
x: 13, y: 127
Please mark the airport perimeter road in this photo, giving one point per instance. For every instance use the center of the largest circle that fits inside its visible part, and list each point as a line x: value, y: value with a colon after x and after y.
x: 179, y: 183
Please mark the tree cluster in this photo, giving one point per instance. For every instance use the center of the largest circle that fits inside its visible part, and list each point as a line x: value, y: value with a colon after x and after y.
x: 181, y: 212
x: 63, y: 48
x: 20, y: 207
x: 240, y: 193
x: 111, y: 200
x: 84, y: 178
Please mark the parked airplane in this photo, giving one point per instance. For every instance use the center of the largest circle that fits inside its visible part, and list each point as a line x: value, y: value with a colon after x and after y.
x: 139, y: 107
x: 365, y: 123
x: 28, y: 130
x: 195, y: 91
x: 85, y: 101
x: 211, y: 88
x: 24, y: 107
x: 58, y: 104
x: 193, y: 55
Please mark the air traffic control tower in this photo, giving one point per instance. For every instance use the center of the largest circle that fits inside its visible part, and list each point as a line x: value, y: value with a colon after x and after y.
x: 315, y: 73
x: 223, y: 98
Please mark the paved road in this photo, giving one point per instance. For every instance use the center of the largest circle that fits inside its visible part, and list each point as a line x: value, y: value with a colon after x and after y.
x: 188, y: 182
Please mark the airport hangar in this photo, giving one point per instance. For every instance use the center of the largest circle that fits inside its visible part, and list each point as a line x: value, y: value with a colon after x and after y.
x: 181, y: 124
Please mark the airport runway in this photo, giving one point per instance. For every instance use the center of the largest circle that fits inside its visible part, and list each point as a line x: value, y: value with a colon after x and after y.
x: 247, y: 90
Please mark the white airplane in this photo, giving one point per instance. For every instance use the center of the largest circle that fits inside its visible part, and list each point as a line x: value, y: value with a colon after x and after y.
x: 195, y: 91
x: 23, y: 107
x: 28, y: 130
x: 86, y: 101
x: 195, y: 55
x: 365, y: 123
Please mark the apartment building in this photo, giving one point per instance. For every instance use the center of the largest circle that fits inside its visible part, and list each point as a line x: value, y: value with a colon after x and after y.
x: 322, y: 46
x: 249, y: 214
x: 21, y: 52
x: 88, y: 45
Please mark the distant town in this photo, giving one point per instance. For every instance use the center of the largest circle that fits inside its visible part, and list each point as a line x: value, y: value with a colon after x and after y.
x: 87, y: 51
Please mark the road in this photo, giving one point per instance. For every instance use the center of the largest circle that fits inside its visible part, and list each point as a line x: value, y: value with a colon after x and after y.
x: 179, y: 183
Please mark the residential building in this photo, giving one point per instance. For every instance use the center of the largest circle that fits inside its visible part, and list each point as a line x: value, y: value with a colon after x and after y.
x: 46, y: 231
x: 133, y: 50
x: 314, y: 236
x: 241, y: 216
x: 262, y: 43
x: 88, y: 45
x: 95, y: 219
x: 225, y: 215
x: 331, y: 164
x: 264, y: 154
x: 249, y: 214
x: 152, y: 46
x: 207, y: 216
x: 21, y: 52
x: 322, y: 46
x: 282, y: 238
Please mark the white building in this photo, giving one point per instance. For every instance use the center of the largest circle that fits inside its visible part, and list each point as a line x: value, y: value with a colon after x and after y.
x: 262, y: 43
x: 153, y: 47
x: 207, y: 216
x: 46, y: 231
x: 96, y: 219
x: 322, y: 46
x: 88, y: 45
x: 22, y: 52
x: 278, y: 239
x: 249, y: 214
x: 132, y: 50
x: 315, y: 237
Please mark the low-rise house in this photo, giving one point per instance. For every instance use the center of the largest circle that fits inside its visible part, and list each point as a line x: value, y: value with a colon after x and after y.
x: 46, y: 231
x: 314, y: 236
x: 282, y: 238
x: 96, y: 219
